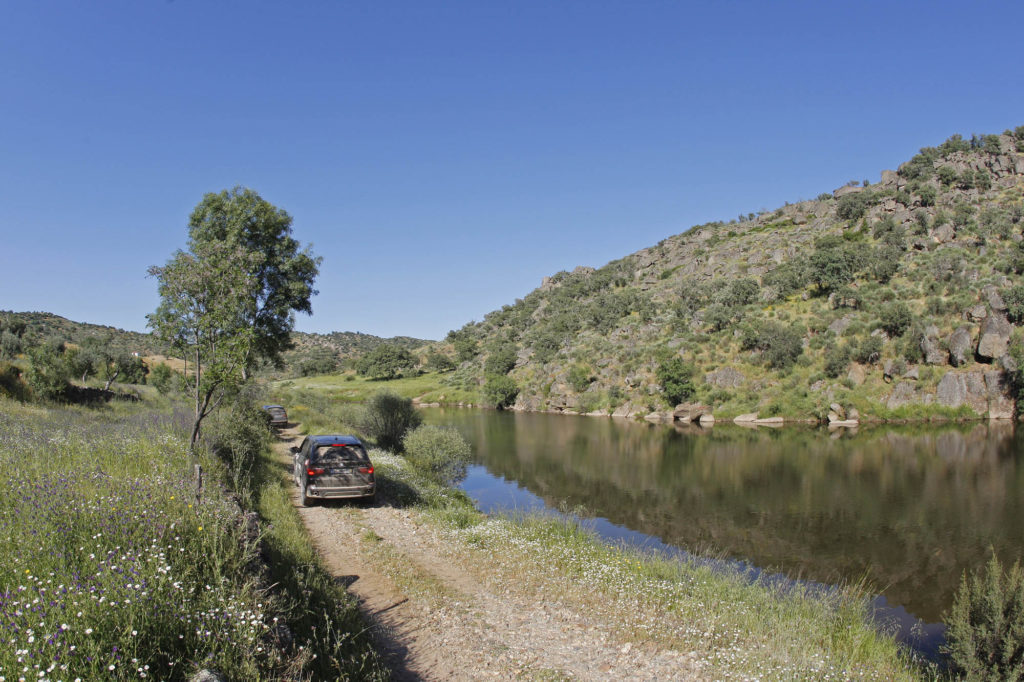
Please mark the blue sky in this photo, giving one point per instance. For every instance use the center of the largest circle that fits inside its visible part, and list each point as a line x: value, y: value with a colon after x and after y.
x: 444, y: 157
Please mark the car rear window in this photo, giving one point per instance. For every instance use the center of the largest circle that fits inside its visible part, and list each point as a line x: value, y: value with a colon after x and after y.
x: 341, y: 454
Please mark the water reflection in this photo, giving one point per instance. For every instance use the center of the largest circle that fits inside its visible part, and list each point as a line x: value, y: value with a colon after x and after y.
x: 910, y: 508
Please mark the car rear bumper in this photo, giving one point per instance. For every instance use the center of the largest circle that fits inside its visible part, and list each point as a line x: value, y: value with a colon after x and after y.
x: 339, y: 493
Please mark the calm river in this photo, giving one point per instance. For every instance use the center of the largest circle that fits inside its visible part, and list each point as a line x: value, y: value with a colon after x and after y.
x: 909, y: 507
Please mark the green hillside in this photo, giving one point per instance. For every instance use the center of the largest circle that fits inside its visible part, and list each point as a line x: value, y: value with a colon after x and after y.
x: 899, y: 299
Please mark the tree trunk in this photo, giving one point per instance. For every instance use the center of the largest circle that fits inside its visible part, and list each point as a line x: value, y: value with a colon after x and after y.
x: 106, y: 387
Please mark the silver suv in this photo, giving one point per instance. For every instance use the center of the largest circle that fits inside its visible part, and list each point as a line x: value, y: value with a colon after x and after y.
x: 333, y: 467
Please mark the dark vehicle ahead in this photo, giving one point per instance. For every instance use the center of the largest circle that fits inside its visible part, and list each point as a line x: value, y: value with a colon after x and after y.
x: 333, y: 467
x: 276, y: 415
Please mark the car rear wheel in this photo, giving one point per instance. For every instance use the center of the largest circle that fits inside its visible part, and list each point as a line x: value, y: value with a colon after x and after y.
x: 305, y: 499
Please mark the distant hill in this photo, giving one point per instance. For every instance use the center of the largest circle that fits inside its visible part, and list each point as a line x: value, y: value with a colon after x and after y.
x: 40, y: 326
x: 899, y: 299
x: 312, y: 352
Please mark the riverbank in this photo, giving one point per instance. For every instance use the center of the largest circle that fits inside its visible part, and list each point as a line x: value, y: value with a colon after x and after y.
x: 538, y: 597
x: 796, y: 409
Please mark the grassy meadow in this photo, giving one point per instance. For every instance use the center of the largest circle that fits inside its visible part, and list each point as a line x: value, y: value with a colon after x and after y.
x: 350, y: 387
x: 111, y: 567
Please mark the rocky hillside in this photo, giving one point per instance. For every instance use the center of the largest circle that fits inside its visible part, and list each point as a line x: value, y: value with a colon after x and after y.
x: 899, y: 299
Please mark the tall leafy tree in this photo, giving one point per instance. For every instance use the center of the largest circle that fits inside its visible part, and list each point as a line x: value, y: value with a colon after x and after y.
x: 282, y: 269
x: 207, y: 305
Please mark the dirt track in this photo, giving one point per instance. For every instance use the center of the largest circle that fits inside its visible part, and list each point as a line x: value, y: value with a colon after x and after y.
x: 436, y: 615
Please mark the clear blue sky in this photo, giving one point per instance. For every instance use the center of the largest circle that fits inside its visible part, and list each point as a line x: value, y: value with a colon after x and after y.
x: 444, y: 157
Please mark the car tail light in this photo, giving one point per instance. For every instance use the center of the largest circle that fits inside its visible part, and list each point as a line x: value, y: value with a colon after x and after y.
x: 313, y: 472
x: 366, y: 470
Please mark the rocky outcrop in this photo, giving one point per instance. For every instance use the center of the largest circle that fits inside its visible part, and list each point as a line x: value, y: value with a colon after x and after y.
x: 959, y: 346
x: 904, y: 393
x: 995, y: 337
x: 986, y: 393
x: 930, y: 348
x: 726, y: 377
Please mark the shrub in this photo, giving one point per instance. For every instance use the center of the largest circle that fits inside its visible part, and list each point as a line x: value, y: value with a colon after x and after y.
x: 440, y: 452
x: 388, y: 417
x: 868, y: 351
x: 896, y: 318
x: 580, y: 378
x: 928, y: 195
x: 385, y: 362
x: 500, y: 391
x: 837, y: 359
x: 501, y: 360
x: 162, y: 377
x: 1014, y: 299
x: 780, y: 345
x: 48, y: 373
x: 10, y: 344
x: 439, y: 362
x: 854, y: 206
x: 985, y: 628
x: 676, y: 379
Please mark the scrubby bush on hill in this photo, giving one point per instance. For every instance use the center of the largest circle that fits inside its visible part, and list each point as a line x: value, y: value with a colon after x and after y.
x: 500, y: 391
x: 676, y: 379
x: 780, y: 345
x: 385, y: 362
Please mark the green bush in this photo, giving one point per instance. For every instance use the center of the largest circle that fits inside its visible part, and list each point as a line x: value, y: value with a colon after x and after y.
x: 440, y: 452
x: 387, y: 418
x: 385, y: 362
x: 501, y: 360
x: 837, y: 359
x: 676, y: 379
x: 1014, y: 299
x: 162, y: 377
x: 928, y: 195
x: 896, y: 318
x: 580, y: 378
x: 48, y: 372
x: 869, y: 351
x: 779, y: 345
x: 500, y: 391
x: 854, y: 206
x: 985, y: 628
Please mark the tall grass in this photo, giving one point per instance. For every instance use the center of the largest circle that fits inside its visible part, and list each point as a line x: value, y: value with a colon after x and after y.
x: 111, y: 567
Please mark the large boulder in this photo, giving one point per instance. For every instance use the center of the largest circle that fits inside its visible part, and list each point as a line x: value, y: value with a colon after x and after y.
x: 995, y: 337
x: 994, y: 298
x: 943, y: 234
x: 839, y: 326
x: 930, y: 348
x: 905, y: 392
x: 690, y: 412
x: 726, y: 377
x: 1000, y: 404
x: 951, y: 391
x: 959, y: 346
